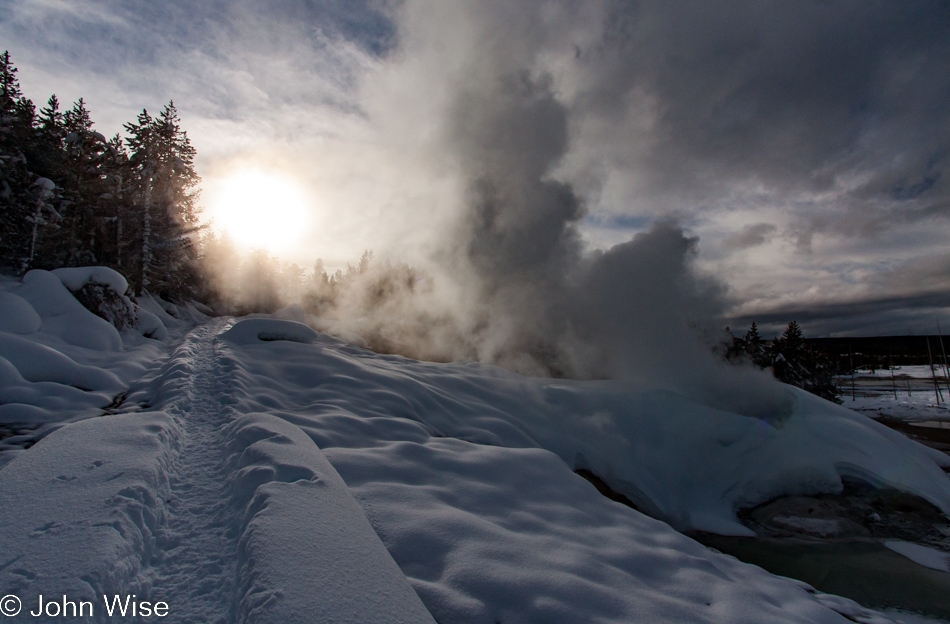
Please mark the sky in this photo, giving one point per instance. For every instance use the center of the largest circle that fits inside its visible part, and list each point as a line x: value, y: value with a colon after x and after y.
x: 800, y: 148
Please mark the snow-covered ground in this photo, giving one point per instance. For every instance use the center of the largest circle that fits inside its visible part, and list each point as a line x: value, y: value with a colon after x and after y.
x: 906, y: 393
x: 258, y: 471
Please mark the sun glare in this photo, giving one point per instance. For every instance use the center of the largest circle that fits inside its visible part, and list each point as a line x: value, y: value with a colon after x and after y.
x: 259, y: 209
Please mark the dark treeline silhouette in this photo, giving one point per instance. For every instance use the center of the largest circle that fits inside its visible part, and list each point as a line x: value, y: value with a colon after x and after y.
x: 881, y: 352
x: 790, y: 357
x: 71, y: 197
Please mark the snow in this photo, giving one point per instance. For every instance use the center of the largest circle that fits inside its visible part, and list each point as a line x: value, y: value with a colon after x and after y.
x: 254, y: 330
x: 18, y: 315
x: 75, y: 278
x: 80, y: 511
x: 923, y: 555
x: 262, y: 472
x: 908, y: 396
x: 63, y: 316
x: 303, y: 518
x: 61, y: 363
x: 647, y: 444
x: 37, y: 362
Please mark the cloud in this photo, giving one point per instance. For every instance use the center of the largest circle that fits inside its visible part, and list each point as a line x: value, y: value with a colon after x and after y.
x: 749, y: 236
x: 507, y: 140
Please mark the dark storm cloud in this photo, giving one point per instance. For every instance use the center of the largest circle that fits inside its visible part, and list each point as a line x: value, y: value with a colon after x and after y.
x: 906, y: 299
x: 795, y: 98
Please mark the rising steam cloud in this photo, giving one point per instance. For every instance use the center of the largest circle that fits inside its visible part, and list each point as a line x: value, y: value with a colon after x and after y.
x: 512, y: 282
x: 505, y: 277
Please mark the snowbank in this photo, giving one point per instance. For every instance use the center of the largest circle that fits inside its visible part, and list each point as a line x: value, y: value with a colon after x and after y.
x: 17, y: 316
x: 59, y: 361
x: 302, y: 524
x: 687, y: 463
x: 466, y: 472
x: 81, y: 508
x: 343, y: 485
x: 77, y: 277
x: 64, y: 317
x: 37, y: 362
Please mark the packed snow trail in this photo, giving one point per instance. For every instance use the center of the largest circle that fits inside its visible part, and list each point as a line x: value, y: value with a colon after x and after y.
x: 196, y: 559
x: 222, y: 516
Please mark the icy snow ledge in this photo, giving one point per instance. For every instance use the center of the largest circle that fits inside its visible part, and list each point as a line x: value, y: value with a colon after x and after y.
x: 81, y: 508
x: 922, y: 555
x: 250, y: 331
x: 307, y: 553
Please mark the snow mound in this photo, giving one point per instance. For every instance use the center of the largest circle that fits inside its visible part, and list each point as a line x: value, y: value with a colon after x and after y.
x: 75, y: 278
x: 23, y: 401
x: 249, y: 331
x: 37, y: 362
x: 63, y: 316
x: 81, y: 508
x: 59, y: 361
x: 17, y: 316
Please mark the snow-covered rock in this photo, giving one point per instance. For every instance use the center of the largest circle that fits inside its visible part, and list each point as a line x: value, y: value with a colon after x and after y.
x: 249, y: 331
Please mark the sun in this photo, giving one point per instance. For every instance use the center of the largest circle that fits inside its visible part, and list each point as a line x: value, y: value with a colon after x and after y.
x: 261, y: 209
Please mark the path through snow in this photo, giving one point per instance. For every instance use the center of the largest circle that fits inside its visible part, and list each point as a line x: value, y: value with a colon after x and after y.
x: 196, y: 558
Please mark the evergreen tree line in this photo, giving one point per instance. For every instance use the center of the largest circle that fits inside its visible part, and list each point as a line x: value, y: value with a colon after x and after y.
x: 71, y: 197
x: 790, y: 359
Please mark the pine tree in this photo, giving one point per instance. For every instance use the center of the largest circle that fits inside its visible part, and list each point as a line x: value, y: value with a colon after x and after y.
x: 165, y: 187
x: 9, y: 84
x: 259, y: 291
x: 755, y: 347
x: 365, y: 259
x: 142, y: 165
x: 793, y: 341
x: 19, y: 195
x: 795, y: 364
x: 84, y: 208
x: 69, y: 196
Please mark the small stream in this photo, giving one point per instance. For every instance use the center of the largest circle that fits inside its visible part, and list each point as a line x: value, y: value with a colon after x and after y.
x: 866, y: 572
